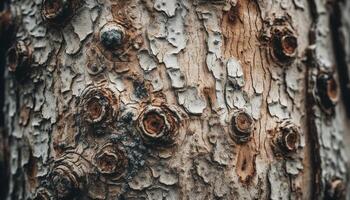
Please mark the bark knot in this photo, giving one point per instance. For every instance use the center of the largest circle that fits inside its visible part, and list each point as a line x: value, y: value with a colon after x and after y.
x: 158, y: 125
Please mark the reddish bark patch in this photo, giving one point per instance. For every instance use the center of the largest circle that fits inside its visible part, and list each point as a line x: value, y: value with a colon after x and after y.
x: 111, y: 161
x: 245, y: 167
x: 286, y: 138
x: 153, y: 123
x: 284, y: 45
x: 234, y: 12
x: 327, y: 91
x: 158, y: 125
x: 242, y: 126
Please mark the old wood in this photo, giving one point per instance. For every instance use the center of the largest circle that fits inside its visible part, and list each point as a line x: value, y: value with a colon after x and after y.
x: 177, y: 99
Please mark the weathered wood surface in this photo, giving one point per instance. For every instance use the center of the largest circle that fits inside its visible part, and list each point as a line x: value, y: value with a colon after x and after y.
x: 180, y: 99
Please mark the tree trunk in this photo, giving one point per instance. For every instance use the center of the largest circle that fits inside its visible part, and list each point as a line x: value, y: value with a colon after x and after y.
x: 176, y: 99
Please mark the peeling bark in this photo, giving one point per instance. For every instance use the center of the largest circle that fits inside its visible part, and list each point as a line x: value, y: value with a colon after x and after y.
x: 180, y: 99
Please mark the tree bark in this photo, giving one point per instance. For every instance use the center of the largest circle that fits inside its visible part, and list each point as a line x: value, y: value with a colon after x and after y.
x: 177, y: 99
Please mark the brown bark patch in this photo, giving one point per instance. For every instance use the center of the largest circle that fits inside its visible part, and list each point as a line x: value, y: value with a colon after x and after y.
x: 245, y: 167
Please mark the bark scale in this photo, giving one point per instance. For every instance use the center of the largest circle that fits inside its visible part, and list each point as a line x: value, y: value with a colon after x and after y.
x: 181, y: 99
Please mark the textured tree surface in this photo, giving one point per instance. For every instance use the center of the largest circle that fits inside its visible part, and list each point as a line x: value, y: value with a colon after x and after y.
x: 175, y: 99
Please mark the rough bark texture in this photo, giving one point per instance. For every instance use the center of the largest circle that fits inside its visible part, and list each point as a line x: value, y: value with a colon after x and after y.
x: 178, y: 99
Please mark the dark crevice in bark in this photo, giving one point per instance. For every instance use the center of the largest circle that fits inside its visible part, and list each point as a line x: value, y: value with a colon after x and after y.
x: 3, y: 181
x: 312, y: 134
x: 3, y: 47
x: 340, y: 53
x: 3, y: 165
x: 343, y: 69
x: 314, y: 144
x: 5, y: 39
